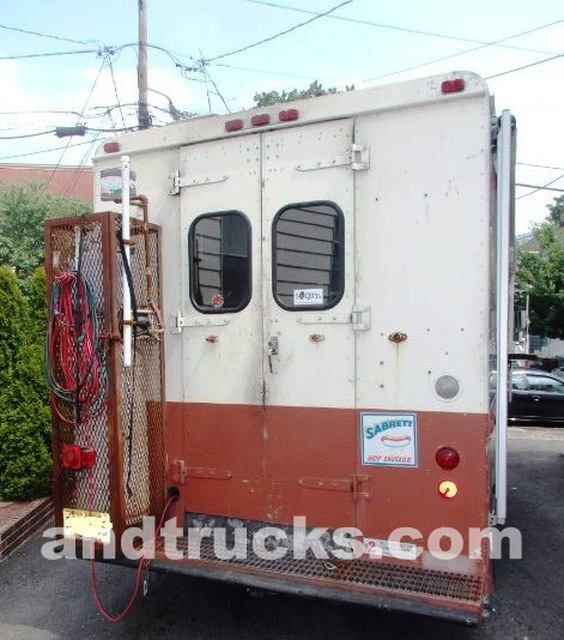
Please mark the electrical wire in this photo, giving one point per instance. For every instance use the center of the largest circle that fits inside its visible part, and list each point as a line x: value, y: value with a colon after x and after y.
x: 539, y: 166
x: 281, y: 33
x: 143, y: 562
x: 465, y: 51
x: 380, y: 25
x: 28, y: 135
x: 525, y: 66
x: 544, y: 186
x: 49, y: 55
x: 74, y: 362
x: 116, y: 91
x: 37, y: 153
x: 45, y: 35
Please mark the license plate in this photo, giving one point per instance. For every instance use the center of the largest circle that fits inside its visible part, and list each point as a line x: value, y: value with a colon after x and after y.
x: 87, y: 524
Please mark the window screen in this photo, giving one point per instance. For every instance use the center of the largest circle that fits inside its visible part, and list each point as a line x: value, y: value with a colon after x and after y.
x: 308, y: 256
x: 220, y: 262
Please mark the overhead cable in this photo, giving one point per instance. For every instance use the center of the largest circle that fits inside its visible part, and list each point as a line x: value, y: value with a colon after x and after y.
x: 525, y: 66
x: 48, y: 55
x: 45, y: 35
x: 541, y: 188
x: 281, y: 33
x: 420, y: 32
x: 465, y: 51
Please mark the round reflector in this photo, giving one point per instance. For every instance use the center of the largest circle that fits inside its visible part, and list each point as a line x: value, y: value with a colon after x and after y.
x: 447, y: 458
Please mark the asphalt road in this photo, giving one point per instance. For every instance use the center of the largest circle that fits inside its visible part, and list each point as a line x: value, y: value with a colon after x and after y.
x: 41, y: 600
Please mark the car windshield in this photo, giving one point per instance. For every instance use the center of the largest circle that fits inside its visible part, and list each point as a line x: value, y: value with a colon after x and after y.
x: 534, y: 381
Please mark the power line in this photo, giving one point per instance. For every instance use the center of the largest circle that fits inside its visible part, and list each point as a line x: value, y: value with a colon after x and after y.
x: 465, y: 51
x: 48, y: 55
x: 541, y: 188
x: 398, y: 28
x: 37, y: 153
x: 536, y: 188
x: 45, y: 35
x: 525, y: 66
x: 281, y: 33
x: 271, y: 73
x: 28, y: 135
x: 539, y: 166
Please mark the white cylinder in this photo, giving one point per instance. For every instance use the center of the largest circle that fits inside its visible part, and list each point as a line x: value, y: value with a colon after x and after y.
x: 125, y: 235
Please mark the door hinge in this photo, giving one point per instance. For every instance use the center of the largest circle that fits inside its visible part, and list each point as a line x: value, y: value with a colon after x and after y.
x: 177, y: 182
x: 357, y: 488
x: 361, y: 319
x: 360, y: 157
x: 179, y: 471
x: 179, y: 322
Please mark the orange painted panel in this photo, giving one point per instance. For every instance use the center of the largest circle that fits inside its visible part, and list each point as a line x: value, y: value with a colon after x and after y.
x: 310, y: 459
x: 274, y: 463
x: 222, y: 448
x: 409, y: 497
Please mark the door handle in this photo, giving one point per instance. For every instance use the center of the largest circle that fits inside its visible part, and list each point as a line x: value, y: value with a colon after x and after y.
x: 272, y: 352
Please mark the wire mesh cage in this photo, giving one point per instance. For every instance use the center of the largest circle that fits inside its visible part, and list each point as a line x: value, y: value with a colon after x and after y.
x: 98, y: 404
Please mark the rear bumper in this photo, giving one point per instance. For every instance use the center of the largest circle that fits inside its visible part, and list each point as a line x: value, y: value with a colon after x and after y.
x: 392, y: 587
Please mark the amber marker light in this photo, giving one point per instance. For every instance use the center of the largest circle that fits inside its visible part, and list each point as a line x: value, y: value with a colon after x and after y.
x: 448, y: 489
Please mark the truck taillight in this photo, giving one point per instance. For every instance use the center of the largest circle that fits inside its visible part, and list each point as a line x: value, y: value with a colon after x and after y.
x: 111, y: 147
x: 260, y: 120
x: 73, y: 456
x: 288, y: 114
x: 447, y: 458
x: 453, y: 86
x: 88, y: 458
x: 234, y: 125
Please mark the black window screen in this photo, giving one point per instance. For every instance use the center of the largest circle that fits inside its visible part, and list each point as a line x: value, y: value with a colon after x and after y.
x: 308, y: 256
x: 220, y: 262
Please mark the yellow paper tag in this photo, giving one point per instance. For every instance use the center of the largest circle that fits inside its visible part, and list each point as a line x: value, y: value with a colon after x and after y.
x: 87, y: 524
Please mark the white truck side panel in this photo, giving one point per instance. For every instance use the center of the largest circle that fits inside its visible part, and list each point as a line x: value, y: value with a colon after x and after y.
x: 422, y: 255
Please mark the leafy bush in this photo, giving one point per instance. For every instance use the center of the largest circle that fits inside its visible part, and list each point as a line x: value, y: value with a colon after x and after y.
x: 25, y: 464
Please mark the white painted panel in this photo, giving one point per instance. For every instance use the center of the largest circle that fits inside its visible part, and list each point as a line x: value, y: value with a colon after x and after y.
x: 222, y: 352
x: 304, y: 165
x: 423, y: 255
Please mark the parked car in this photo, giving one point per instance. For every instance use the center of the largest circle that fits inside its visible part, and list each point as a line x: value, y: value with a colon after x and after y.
x: 536, y: 397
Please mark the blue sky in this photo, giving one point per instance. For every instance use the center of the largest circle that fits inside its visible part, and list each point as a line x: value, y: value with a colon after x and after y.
x: 364, y: 42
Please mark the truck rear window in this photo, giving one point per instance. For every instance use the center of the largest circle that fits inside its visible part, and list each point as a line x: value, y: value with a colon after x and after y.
x: 220, y: 262
x: 308, y: 256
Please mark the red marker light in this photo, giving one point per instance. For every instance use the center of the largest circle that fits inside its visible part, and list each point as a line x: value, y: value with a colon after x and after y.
x: 71, y: 456
x: 111, y: 147
x: 288, y: 114
x: 234, y: 125
x: 260, y: 120
x: 447, y: 458
x: 88, y: 458
x: 453, y: 86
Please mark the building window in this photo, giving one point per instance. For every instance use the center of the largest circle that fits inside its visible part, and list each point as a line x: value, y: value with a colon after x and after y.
x: 308, y: 256
x: 220, y: 262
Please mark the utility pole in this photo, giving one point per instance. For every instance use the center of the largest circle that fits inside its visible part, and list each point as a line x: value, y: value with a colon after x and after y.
x: 143, y: 111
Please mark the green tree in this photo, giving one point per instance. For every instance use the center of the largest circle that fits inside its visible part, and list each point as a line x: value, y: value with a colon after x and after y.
x: 266, y: 98
x: 25, y: 465
x: 540, y: 274
x: 23, y: 209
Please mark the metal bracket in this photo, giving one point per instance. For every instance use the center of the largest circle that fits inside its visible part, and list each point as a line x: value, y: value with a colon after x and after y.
x: 360, y: 157
x: 362, y: 319
x: 179, y: 322
x: 339, y: 161
x: 177, y: 182
x: 179, y: 471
